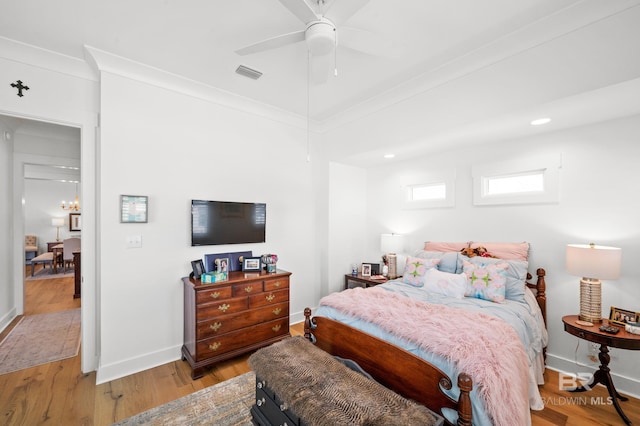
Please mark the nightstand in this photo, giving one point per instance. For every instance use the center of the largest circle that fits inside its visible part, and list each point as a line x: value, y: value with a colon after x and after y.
x: 621, y: 340
x: 351, y: 281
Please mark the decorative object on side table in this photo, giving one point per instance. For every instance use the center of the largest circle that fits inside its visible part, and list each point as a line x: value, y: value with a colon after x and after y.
x: 592, y: 263
x: 198, y: 268
x: 623, y: 317
x: 270, y: 261
x: 366, y: 270
x: 390, y: 244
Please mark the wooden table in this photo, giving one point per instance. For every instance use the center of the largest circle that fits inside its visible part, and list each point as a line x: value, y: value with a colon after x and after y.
x: 359, y: 280
x: 621, y: 340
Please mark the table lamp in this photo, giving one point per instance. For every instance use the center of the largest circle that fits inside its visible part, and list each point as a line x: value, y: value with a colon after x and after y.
x: 57, y: 222
x: 592, y: 263
x: 390, y: 244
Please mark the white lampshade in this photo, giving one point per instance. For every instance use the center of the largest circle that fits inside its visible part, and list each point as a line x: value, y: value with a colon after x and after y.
x: 391, y: 243
x: 57, y: 221
x: 592, y: 261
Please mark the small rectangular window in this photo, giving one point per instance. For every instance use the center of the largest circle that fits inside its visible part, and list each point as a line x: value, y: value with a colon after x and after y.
x: 436, y: 191
x: 519, y: 183
x: 526, y: 180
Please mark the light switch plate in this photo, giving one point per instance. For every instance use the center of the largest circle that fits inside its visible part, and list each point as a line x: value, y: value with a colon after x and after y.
x: 134, y: 241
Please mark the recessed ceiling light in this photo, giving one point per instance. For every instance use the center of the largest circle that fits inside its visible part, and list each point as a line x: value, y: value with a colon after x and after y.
x: 540, y: 121
x: 389, y: 155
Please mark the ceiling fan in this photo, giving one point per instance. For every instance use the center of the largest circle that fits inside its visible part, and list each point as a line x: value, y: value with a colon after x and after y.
x: 321, y: 34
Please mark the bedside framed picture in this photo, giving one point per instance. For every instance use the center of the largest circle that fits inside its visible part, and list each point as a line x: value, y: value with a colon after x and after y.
x: 366, y: 270
x: 198, y: 268
x: 622, y: 316
x: 251, y: 264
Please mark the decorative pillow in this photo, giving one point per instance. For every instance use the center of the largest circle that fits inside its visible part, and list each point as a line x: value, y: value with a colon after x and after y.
x: 516, y: 275
x: 449, y: 261
x: 507, y: 251
x: 447, y: 284
x: 486, y: 281
x: 415, y: 269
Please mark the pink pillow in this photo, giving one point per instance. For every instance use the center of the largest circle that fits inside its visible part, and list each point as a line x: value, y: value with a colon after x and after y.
x: 439, y: 246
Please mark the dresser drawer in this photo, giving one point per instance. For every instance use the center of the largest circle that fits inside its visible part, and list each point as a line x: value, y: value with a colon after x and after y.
x: 238, y: 339
x: 213, y: 294
x: 226, y: 323
x: 225, y: 306
x: 273, y: 284
x: 245, y: 289
x: 268, y: 298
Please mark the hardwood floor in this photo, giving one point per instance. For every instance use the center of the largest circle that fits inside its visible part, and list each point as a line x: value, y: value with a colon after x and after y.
x: 57, y: 393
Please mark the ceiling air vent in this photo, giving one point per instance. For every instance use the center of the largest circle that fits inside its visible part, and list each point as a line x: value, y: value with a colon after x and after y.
x: 248, y: 72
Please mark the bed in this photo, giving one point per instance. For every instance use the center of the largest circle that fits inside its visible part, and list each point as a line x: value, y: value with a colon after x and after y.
x: 495, y: 339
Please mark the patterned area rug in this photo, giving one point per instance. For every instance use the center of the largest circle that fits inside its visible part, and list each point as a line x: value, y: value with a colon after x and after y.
x: 40, y: 339
x: 45, y: 274
x: 227, y: 403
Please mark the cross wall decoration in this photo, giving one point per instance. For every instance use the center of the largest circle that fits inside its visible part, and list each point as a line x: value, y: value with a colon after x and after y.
x: 18, y: 85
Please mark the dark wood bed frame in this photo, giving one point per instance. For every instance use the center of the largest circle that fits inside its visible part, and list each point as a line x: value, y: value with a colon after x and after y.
x: 426, y: 381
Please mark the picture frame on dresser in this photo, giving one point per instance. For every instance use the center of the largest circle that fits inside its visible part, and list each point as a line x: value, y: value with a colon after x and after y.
x: 251, y: 264
x: 198, y: 268
x: 366, y: 270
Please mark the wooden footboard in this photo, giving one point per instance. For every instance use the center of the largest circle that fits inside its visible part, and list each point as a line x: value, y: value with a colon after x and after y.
x: 393, y: 367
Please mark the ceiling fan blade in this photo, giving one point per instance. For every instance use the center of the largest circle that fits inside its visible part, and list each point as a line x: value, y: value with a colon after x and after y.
x: 368, y: 42
x: 272, y: 43
x: 301, y: 9
x: 320, y: 68
x: 340, y: 11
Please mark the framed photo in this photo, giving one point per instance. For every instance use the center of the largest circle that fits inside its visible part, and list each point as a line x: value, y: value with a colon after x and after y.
x: 623, y: 316
x: 133, y: 208
x: 222, y: 264
x: 366, y: 270
x: 75, y: 222
x: 198, y: 268
x: 251, y: 264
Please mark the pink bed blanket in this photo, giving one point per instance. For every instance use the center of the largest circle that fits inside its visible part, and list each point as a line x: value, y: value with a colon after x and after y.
x: 484, y: 347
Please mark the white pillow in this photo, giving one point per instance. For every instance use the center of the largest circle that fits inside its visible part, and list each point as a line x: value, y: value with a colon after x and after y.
x: 445, y: 283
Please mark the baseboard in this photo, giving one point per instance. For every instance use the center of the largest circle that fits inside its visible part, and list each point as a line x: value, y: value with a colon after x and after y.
x: 625, y: 385
x: 7, y: 318
x: 108, y: 372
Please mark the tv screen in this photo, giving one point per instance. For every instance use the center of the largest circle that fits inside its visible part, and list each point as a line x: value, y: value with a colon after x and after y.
x: 224, y: 222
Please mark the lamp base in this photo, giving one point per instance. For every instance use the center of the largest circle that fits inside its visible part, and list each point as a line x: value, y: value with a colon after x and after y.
x: 590, y: 300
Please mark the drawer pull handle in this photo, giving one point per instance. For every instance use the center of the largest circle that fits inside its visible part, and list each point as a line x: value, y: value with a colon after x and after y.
x: 261, y: 384
x: 260, y: 402
x: 215, y: 346
x: 283, y: 407
x: 277, y: 311
x: 215, y: 326
x: 224, y: 307
x: 276, y: 328
x: 270, y: 298
x: 248, y: 289
x: 277, y: 284
x: 581, y: 334
x: 215, y: 294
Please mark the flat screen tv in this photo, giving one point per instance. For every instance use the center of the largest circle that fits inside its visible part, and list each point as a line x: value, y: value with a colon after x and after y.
x: 225, y: 222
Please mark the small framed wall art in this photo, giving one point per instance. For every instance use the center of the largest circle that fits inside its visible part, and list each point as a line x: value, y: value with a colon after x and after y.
x: 75, y: 222
x: 134, y: 208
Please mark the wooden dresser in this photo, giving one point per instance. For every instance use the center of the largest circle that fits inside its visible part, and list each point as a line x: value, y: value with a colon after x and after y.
x: 226, y: 319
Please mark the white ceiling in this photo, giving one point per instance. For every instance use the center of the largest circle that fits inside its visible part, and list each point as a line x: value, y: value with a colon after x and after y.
x: 433, y: 41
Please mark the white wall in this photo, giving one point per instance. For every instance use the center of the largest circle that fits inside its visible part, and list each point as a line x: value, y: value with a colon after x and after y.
x: 7, y: 307
x: 597, y: 204
x: 174, y: 147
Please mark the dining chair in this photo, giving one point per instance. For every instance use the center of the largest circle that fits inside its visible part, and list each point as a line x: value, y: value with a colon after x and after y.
x: 70, y: 245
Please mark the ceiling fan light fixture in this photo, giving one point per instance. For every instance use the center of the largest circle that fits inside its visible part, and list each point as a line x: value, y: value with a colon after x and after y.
x: 320, y: 37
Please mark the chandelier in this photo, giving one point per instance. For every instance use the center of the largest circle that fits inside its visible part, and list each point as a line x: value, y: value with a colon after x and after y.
x: 73, y: 205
